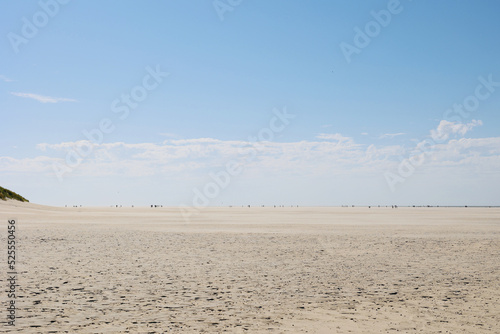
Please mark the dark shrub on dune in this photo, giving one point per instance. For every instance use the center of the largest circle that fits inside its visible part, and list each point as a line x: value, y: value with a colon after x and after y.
x: 6, y: 194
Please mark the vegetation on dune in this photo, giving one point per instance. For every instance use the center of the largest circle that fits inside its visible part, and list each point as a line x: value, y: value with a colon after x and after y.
x: 6, y: 194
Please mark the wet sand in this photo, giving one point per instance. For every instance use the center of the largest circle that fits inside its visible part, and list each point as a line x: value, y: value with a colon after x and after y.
x: 254, y: 270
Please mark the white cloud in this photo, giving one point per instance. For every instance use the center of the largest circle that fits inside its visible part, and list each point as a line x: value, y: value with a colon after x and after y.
x: 386, y: 152
x: 194, y: 141
x: 335, y: 136
x: 332, y: 155
x: 466, y: 151
x: 334, y: 165
x: 446, y: 129
x: 391, y: 135
x: 5, y: 79
x: 188, y: 155
x: 42, y: 98
x: 38, y: 164
x: 199, y: 153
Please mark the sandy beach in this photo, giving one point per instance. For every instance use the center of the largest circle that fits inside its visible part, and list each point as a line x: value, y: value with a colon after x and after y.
x: 254, y: 270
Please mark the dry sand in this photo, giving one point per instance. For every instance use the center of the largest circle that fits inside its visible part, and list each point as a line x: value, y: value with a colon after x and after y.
x: 254, y: 270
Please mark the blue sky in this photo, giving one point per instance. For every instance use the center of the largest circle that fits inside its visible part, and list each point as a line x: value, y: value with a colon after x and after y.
x: 232, y: 67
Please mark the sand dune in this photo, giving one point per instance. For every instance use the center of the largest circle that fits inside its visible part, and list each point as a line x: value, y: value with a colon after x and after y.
x: 255, y: 270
